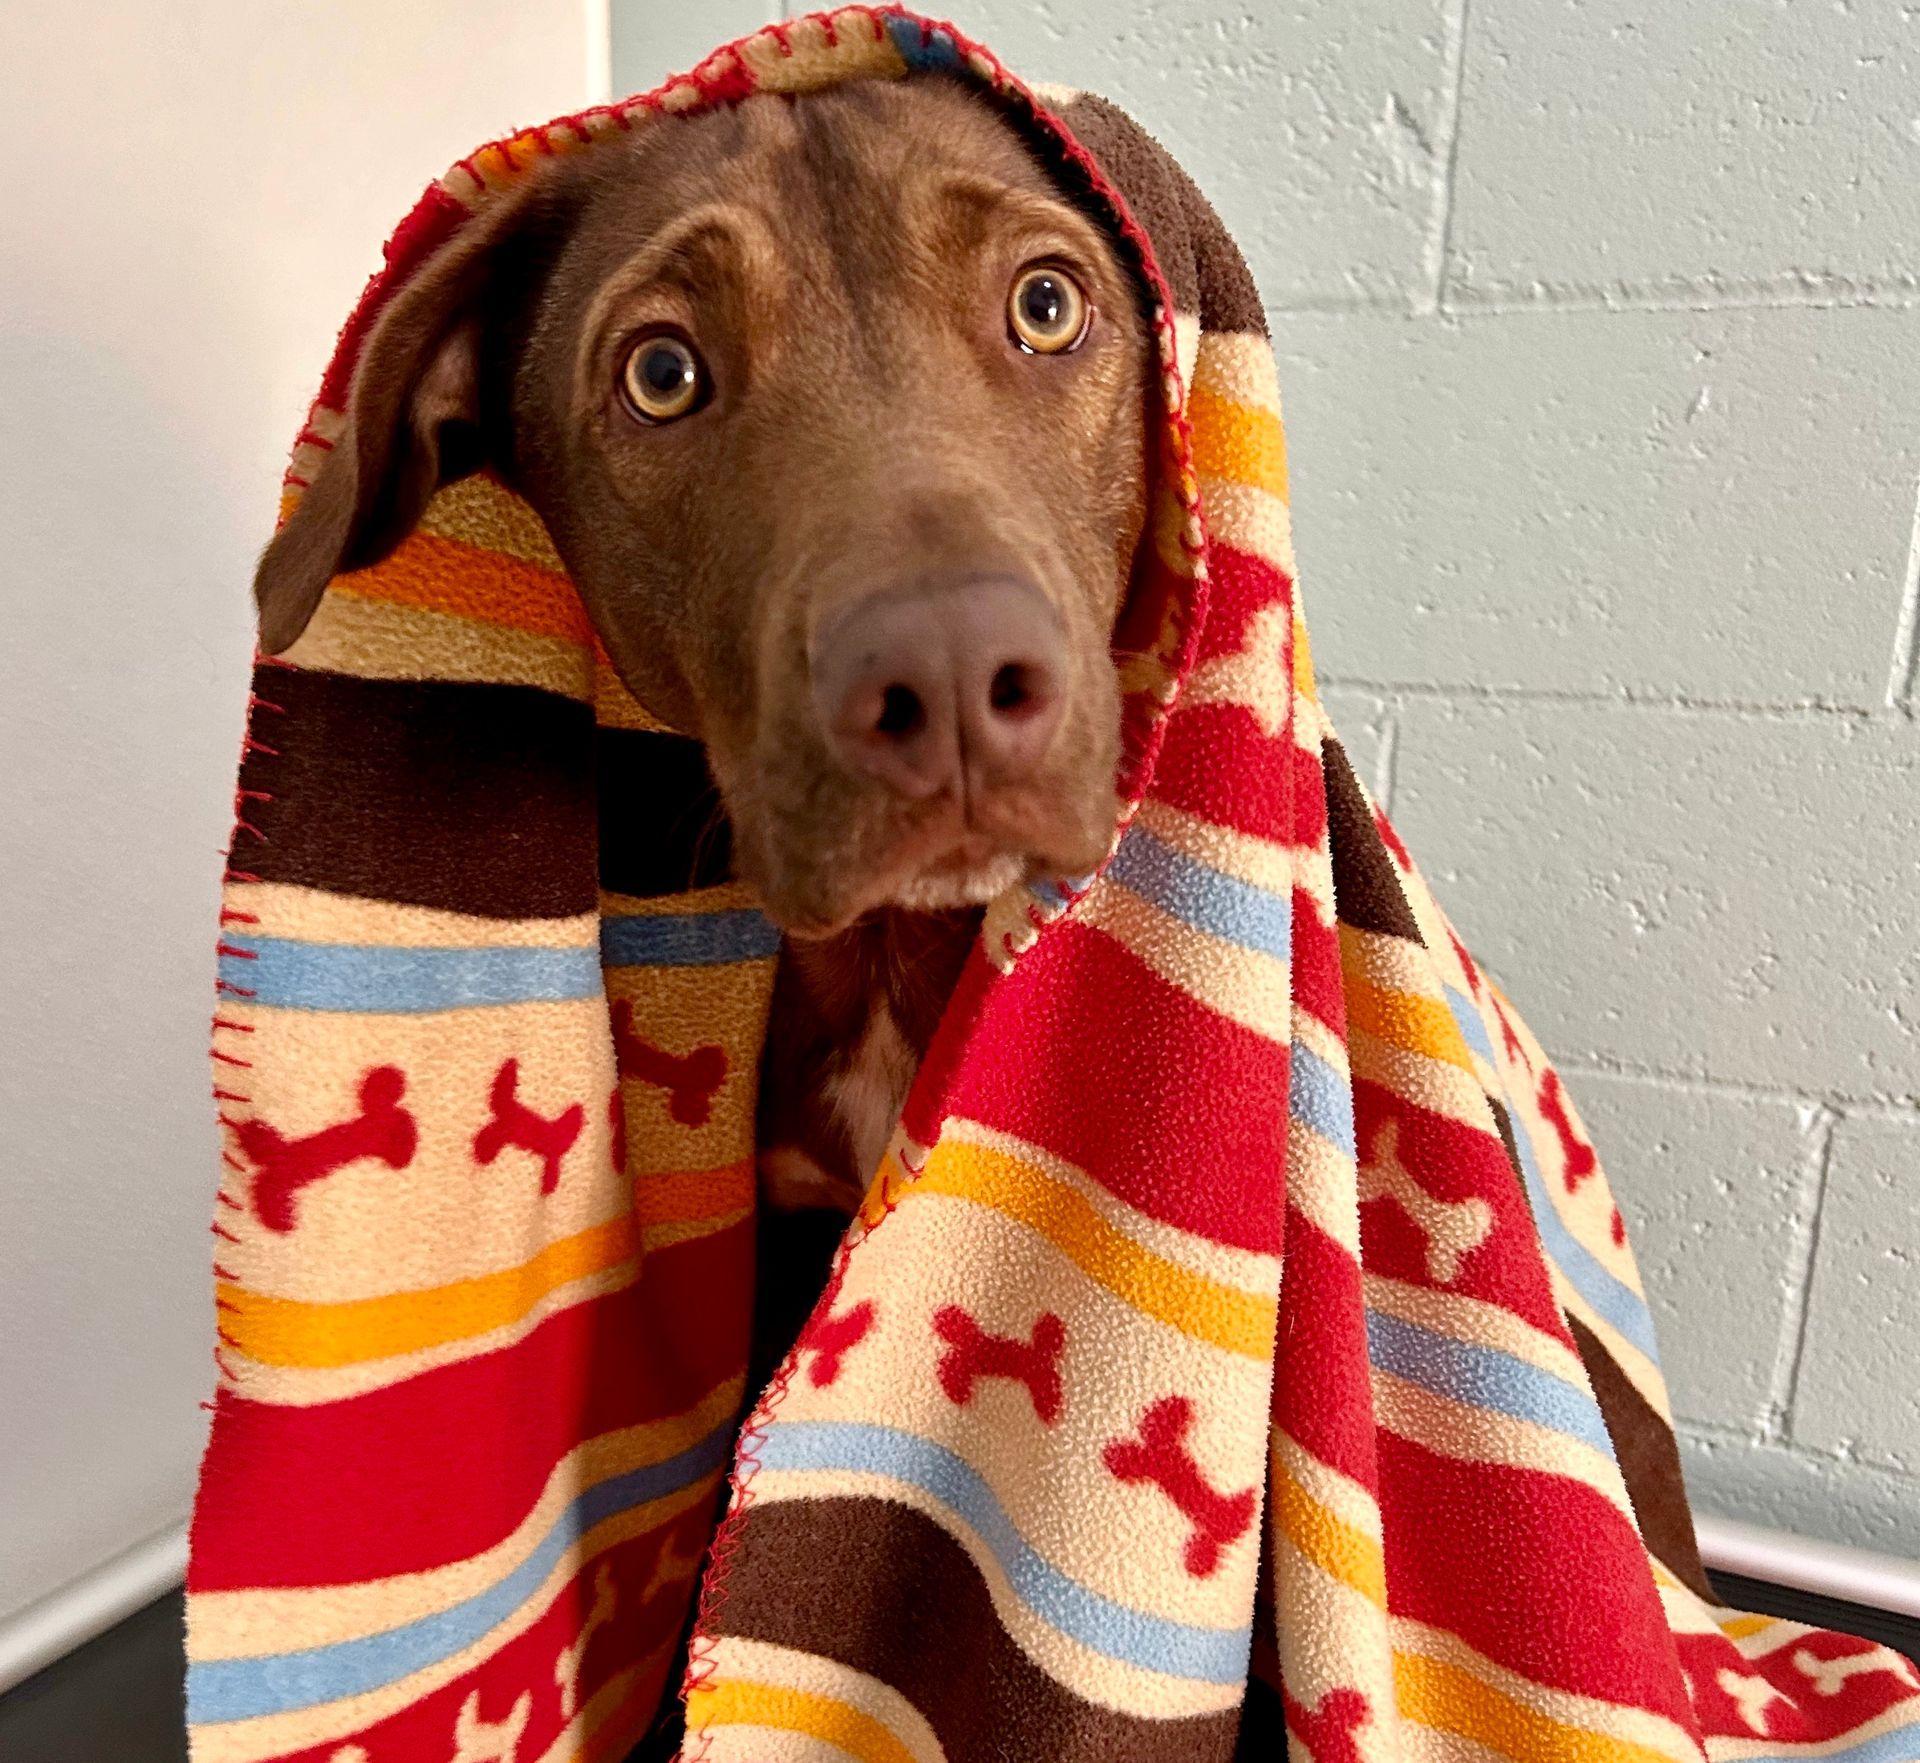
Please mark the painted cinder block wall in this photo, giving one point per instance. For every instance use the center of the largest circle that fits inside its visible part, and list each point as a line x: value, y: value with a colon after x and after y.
x: 1599, y: 326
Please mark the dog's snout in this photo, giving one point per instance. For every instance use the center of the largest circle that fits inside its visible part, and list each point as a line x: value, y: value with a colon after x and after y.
x: 955, y: 686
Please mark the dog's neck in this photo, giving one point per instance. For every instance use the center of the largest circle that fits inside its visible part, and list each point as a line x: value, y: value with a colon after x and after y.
x: 852, y: 1017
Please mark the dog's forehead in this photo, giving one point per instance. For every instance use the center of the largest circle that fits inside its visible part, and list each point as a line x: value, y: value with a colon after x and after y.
x: 826, y: 170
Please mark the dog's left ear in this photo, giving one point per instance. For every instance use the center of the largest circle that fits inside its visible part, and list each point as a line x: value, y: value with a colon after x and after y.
x: 416, y: 418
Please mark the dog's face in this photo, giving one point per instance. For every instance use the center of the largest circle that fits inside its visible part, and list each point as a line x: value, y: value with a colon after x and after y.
x: 835, y: 409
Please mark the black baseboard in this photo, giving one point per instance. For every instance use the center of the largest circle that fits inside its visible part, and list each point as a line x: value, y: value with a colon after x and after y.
x: 120, y: 1698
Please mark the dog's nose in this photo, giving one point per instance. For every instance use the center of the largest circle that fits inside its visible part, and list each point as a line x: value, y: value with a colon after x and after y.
x: 927, y: 687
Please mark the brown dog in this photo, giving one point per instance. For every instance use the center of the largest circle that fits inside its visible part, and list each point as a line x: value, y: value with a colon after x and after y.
x: 835, y: 410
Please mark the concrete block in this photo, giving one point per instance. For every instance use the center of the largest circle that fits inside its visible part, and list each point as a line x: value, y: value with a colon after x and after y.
x: 1317, y: 127
x: 1811, y: 1496
x: 1711, y: 1188
x: 653, y: 40
x: 1715, y: 505
x: 1757, y: 151
x: 1859, y: 1386
x: 1708, y: 895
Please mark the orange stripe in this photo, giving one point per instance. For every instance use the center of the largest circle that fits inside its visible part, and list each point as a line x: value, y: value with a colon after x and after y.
x: 443, y: 575
x: 1238, y: 442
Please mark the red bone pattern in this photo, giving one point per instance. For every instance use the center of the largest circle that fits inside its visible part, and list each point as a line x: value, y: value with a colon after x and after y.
x: 283, y: 1166
x: 972, y: 1354
x: 1327, y: 1731
x: 513, y: 1125
x: 1581, y: 1161
x: 1160, y: 1455
x: 832, y: 1338
x: 691, y: 1080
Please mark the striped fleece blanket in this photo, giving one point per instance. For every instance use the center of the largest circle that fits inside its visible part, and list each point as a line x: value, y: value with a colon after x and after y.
x: 1239, y: 1349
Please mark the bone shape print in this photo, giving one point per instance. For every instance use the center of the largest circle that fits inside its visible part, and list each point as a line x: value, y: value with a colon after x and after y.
x: 691, y: 1080
x: 1453, y: 1228
x: 1753, y: 1696
x: 1160, y: 1455
x: 1254, y: 676
x: 1328, y: 1731
x: 488, y: 1741
x: 283, y: 1166
x: 1830, y: 1675
x: 566, y: 1667
x: 832, y: 1338
x: 671, y: 1567
x: 513, y: 1125
x: 972, y: 1354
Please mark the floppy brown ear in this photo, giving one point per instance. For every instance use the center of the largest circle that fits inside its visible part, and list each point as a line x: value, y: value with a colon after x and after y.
x: 415, y: 420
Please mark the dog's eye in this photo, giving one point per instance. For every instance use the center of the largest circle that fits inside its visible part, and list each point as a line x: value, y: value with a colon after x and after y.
x: 663, y: 377
x: 1046, y: 310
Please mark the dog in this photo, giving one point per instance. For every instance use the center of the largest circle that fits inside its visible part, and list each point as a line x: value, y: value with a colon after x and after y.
x: 836, y: 411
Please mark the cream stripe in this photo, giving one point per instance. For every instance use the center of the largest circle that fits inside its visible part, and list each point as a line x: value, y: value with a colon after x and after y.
x: 1248, y: 518
x: 1263, y: 863
x: 1471, y: 1434
x: 1321, y: 1185
x: 761, y: 1662
x: 380, y: 639
x: 310, y: 915
x: 1238, y: 365
x: 1639, y: 1370
x: 481, y: 511
x: 1633, y: 1725
x: 1246, y: 1270
x: 1449, y: 1090
x: 1472, y: 1319
x: 1245, y: 985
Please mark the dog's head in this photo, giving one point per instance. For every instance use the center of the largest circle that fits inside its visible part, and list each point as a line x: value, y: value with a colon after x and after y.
x: 835, y: 410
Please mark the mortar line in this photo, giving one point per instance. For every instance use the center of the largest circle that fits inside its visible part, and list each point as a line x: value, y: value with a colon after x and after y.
x: 1905, y: 665
x: 1440, y: 225
x: 1624, y: 699
x: 1783, y: 1388
x: 1903, y: 1110
x: 1386, y: 766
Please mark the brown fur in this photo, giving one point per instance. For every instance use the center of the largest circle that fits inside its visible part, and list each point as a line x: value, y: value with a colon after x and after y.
x: 842, y: 262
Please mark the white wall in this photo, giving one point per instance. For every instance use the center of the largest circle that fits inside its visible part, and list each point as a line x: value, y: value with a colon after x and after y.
x: 1599, y: 324
x: 207, y: 185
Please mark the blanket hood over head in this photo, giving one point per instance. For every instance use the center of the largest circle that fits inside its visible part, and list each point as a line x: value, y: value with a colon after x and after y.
x: 1069, y: 1464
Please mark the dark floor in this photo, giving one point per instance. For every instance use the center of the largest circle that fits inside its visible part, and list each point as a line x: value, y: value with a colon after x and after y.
x: 117, y: 1700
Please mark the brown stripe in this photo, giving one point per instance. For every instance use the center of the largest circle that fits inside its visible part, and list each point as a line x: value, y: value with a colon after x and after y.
x: 1366, y: 886
x: 661, y: 828
x: 461, y: 797
x: 882, y: 1589
x: 1204, y: 269
x: 1649, y: 1463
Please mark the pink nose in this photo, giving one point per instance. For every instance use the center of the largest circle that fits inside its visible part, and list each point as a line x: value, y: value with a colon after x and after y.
x: 936, y: 688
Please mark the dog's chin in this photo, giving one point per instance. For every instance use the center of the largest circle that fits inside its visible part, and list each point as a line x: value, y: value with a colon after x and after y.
x: 957, y: 881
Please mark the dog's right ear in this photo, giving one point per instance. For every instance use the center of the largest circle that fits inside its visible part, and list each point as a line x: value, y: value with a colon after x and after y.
x: 415, y: 420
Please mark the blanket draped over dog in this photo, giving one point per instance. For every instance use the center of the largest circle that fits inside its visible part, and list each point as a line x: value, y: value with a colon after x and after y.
x: 1238, y: 1344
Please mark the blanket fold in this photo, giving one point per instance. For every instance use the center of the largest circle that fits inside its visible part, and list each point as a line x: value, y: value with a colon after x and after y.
x: 1238, y: 1349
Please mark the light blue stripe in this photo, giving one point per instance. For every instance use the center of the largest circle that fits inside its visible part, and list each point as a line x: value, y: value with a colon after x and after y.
x: 242, y: 1689
x: 1208, y: 1655
x: 1901, y: 1745
x: 1618, y: 1304
x: 1208, y: 898
x: 1471, y: 1027
x: 1318, y: 1096
x: 924, y: 50
x: 1484, y: 1377
x: 694, y: 939
x: 371, y: 977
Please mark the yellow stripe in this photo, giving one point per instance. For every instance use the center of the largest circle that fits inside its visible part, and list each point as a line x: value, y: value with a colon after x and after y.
x: 1337, y: 1548
x: 735, y: 1702
x: 321, y: 1336
x: 1737, y: 1628
x: 1241, y: 1322
x: 1303, y: 661
x: 1238, y: 442
x: 1405, y: 1020
x: 1451, y: 1700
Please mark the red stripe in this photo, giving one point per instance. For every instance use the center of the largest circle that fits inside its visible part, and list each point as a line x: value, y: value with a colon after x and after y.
x: 444, y: 1465
x: 1538, y: 1572
x: 1317, y: 985
x: 1084, y: 1049
x: 1243, y: 585
x: 1323, y: 1395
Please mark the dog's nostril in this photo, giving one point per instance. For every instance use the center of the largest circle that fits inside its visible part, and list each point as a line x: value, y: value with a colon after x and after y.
x: 901, y: 713
x: 1011, y: 690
